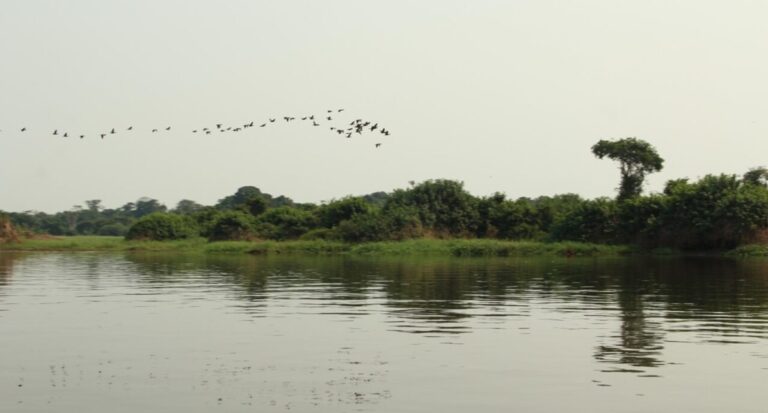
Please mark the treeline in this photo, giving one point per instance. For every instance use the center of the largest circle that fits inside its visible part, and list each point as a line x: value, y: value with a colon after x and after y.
x: 717, y: 211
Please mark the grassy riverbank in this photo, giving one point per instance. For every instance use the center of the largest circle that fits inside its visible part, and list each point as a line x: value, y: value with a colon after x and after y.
x: 457, y: 247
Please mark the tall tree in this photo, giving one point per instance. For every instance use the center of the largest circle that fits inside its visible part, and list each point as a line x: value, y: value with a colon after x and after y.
x: 636, y: 157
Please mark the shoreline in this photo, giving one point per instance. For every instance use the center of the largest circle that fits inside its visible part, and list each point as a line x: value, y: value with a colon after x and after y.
x: 416, y: 247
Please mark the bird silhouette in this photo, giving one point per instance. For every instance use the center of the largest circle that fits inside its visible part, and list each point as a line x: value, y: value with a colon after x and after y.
x: 272, y: 120
x: 154, y: 130
x: 340, y: 110
x: 130, y: 128
x: 112, y: 131
x: 218, y: 126
x: 378, y: 144
x: 66, y: 135
x: 168, y: 128
x: 55, y: 131
x: 103, y: 135
x: 194, y: 131
x: 262, y: 125
x: 82, y: 136
x: 23, y: 129
x: 329, y: 118
x: 207, y: 132
x: 315, y: 123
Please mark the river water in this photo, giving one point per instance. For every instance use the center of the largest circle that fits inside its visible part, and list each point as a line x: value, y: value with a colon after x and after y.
x: 173, y: 333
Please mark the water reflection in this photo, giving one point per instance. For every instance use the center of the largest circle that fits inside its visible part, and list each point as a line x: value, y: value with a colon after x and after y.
x: 636, y: 306
x: 651, y: 301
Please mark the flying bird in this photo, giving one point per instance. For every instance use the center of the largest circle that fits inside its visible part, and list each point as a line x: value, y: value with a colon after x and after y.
x: 103, y: 135
x: 23, y: 129
x: 378, y: 144
x: 66, y: 135
x: 55, y: 131
x: 154, y: 130
x: 168, y: 128
x: 112, y: 131
x: 130, y: 128
x: 262, y: 125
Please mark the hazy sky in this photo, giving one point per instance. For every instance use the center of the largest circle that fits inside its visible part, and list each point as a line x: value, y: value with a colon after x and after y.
x: 503, y: 95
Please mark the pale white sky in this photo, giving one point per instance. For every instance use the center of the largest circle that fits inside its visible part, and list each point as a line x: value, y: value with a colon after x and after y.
x: 503, y: 95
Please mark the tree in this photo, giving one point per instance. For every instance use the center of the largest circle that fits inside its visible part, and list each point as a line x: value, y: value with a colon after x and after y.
x: 187, y: 207
x: 146, y: 206
x: 636, y: 157
x: 757, y: 176
x: 161, y: 226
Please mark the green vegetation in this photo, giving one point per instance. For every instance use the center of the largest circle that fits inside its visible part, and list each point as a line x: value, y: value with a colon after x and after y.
x: 717, y: 212
x: 455, y: 247
x: 636, y: 157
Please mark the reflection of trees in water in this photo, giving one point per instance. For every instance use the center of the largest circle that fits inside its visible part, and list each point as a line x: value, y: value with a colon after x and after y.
x: 639, y: 338
x: 712, y: 298
x: 429, y: 294
x: 7, y: 262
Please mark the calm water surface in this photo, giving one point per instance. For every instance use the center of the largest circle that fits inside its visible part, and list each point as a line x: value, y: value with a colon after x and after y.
x: 169, y: 333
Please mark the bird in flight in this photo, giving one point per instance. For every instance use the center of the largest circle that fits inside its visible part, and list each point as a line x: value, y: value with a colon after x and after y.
x: 55, y: 131
x: 66, y: 135
x: 112, y: 131
x: 168, y: 128
x: 378, y: 144
x: 23, y: 129
x: 154, y: 130
x: 130, y: 128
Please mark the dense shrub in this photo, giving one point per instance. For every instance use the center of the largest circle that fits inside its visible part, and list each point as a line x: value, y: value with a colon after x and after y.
x: 232, y: 225
x: 160, y: 226
x: 285, y: 223
x: 443, y: 206
x: 593, y: 221
x: 117, y: 230
x: 334, y: 212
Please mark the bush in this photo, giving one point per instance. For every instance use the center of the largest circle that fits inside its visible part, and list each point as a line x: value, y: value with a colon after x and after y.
x: 285, y: 223
x: 232, y: 225
x: 443, y: 206
x: 593, y: 221
x: 334, y: 212
x: 117, y: 230
x: 160, y: 226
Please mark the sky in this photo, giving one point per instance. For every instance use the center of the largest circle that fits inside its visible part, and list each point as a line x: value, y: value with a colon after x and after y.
x: 505, y: 96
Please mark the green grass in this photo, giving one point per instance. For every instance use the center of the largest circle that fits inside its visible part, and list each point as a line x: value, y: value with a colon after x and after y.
x: 432, y: 247
x: 750, y: 250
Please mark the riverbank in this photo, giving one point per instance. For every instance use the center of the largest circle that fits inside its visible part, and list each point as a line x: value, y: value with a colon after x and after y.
x: 457, y: 247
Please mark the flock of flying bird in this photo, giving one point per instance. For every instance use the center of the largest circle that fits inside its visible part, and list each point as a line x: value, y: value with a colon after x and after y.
x: 356, y: 126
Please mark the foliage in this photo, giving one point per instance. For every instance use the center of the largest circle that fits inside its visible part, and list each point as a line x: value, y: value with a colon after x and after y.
x: 232, y: 225
x: 756, y: 176
x: 116, y: 229
x: 161, y: 226
x: 592, y: 221
x: 334, y: 212
x: 443, y: 206
x: 636, y: 157
x: 285, y: 223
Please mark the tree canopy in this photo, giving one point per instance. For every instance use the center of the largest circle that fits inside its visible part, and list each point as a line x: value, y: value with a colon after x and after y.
x: 636, y: 157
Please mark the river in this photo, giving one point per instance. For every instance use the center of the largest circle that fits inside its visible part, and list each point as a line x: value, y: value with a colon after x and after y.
x: 204, y: 333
